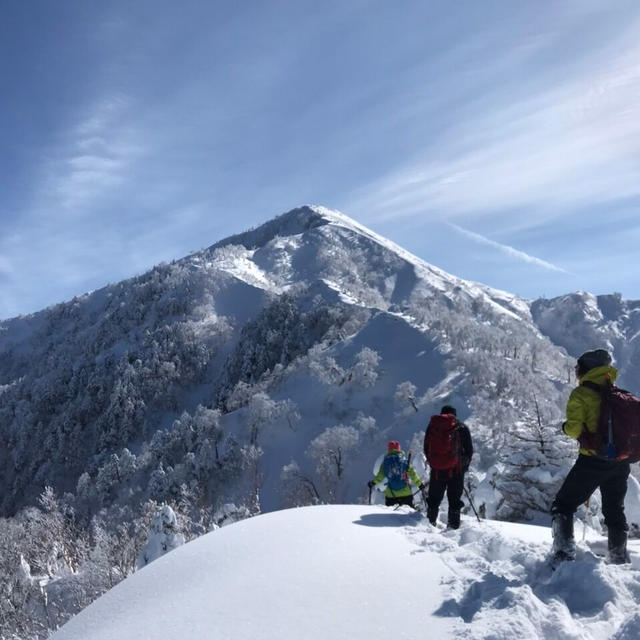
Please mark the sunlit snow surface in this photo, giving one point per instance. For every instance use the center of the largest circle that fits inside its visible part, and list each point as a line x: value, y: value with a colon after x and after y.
x: 349, y: 572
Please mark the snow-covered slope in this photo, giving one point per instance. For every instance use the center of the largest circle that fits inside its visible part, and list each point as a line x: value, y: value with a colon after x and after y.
x: 350, y: 572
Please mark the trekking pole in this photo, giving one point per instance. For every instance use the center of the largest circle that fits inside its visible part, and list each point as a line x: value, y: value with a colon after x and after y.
x: 584, y: 524
x: 370, y: 485
x: 466, y: 493
x: 424, y: 493
x: 424, y: 497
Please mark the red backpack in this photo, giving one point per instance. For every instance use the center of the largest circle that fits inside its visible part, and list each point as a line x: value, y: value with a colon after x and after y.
x: 442, y: 445
x: 618, y: 433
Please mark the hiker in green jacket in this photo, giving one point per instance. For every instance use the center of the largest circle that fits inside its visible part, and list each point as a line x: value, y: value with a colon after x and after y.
x: 590, y: 471
x: 398, y: 474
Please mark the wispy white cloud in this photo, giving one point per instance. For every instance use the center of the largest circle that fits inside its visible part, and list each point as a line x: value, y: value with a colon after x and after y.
x: 510, y: 251
x: 96, y: 157
x: 572, y: 144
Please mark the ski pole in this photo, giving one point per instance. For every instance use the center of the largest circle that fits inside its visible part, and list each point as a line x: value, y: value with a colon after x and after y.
x: 418, y: 490
x: 466, y: 493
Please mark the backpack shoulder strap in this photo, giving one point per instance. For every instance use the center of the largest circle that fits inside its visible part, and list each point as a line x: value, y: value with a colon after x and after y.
x: 593, y: 386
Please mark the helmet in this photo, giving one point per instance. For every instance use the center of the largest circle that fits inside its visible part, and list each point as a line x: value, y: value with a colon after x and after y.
x: 393, y: 445
x: 592, y: 359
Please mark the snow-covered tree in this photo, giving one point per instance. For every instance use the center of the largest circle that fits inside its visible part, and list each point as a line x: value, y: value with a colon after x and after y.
x: 367, y: 428
x: 406, y: 395
x: 229, y: 513
x: 262, y: 411
x: 331, y: 451
x: 158, y: 487
x: 364, y: 372
x: 324, y: 367
x: 207, y: 427
x: 296, y: 488
x: 164, y: 536
x: 534, y: 462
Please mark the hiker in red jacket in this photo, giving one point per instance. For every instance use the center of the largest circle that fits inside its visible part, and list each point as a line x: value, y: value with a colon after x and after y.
x: 448, y: 449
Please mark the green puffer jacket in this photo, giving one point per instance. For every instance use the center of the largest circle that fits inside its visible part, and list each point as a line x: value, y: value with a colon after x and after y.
x: 399, y: 493
x: 583, y: 406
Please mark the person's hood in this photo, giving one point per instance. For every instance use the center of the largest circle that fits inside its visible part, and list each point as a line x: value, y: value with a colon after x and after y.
x: 599, y: 375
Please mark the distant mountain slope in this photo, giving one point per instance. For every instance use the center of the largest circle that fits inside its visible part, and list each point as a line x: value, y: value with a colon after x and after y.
x: 345, y: 572
x: 581, y: 321
x: 263, y: 340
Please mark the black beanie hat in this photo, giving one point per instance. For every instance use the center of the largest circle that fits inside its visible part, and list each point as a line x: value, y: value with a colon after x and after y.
x: 592, y: 359
x: 448, y: 409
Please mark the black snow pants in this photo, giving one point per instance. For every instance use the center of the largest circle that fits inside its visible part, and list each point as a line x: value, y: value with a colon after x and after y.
x: 588, y: 474
x: 389, y: 502
x: 450, y: 481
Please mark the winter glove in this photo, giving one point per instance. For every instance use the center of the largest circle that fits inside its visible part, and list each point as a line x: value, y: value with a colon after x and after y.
x: 422, y: 486
x: 371, y: 484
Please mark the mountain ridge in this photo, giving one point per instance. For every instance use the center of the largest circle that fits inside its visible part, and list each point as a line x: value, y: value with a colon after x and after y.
x: 323, y: 263
x: 184, y: 326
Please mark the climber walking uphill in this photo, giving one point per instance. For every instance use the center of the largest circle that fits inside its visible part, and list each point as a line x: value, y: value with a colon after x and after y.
x: 593, y: 411
x: 448, y: 449
x: 397, y: 473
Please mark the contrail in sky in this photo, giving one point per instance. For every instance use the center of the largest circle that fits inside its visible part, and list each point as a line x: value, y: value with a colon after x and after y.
x: 516, y: 253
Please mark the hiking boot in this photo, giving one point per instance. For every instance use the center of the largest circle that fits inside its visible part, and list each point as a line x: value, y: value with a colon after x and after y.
x: 559, y: 557
x: 453, y: 519
x: 432, y: 515
x: 564, y: 546
x: 617, y: 544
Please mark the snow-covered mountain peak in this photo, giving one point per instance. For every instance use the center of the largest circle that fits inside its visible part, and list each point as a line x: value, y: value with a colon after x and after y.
x: 291, y: 223
x: 312, y: 244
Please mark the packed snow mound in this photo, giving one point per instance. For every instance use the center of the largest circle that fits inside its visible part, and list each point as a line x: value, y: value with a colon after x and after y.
x: 345, y: 572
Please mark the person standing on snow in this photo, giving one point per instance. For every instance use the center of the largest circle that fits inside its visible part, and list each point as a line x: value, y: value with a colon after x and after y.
x: 590, y: 471
x: 397, y: 473
x: 448, y: 449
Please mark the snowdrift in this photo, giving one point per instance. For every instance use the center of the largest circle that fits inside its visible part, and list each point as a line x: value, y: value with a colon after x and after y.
x: 348, y: 572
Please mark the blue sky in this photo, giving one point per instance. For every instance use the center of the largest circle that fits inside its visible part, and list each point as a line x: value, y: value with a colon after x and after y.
x: 499, y: 141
